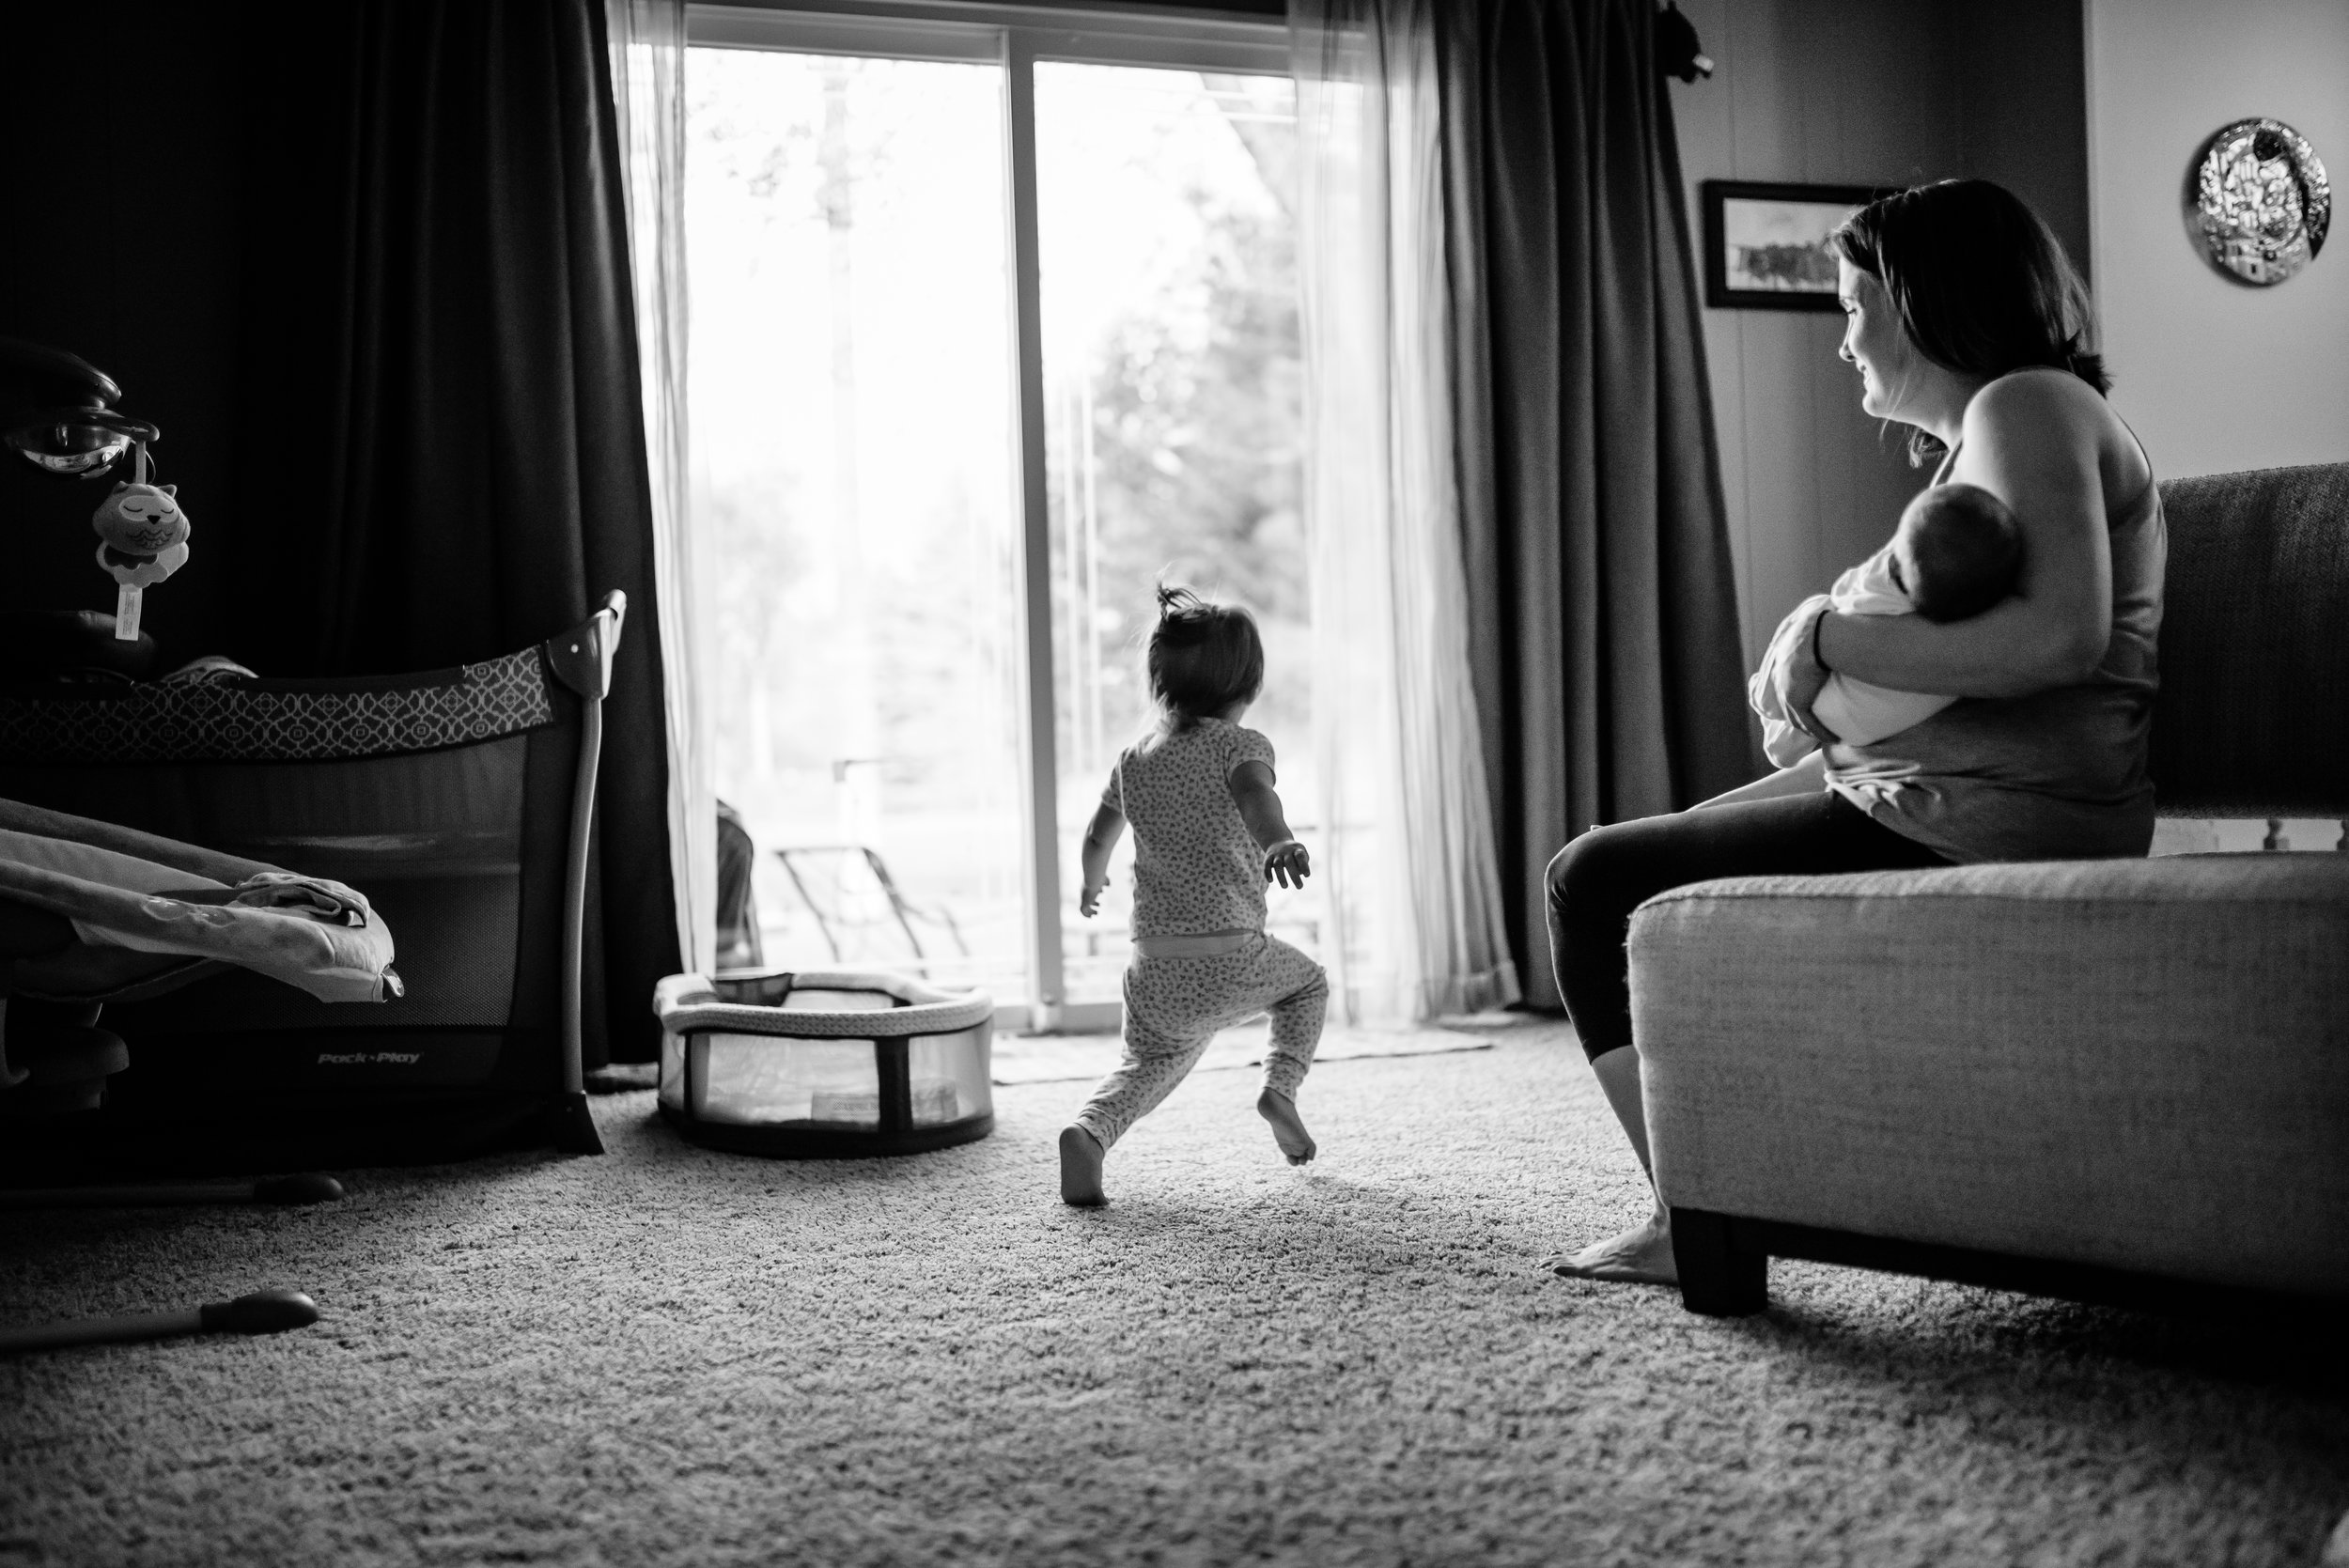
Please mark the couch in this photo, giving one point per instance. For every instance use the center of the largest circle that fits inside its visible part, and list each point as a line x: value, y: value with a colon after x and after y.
x: 2113, y: 1080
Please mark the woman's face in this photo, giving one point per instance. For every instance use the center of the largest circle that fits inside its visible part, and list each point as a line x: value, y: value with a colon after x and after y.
x: 1874, y: 341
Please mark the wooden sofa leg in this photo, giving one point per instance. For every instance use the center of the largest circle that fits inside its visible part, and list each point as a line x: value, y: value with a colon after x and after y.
x: 1717, y: 1278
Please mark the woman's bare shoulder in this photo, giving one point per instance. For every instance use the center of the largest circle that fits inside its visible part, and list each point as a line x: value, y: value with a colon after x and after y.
x: 2039, y: 394
x: 2047, y: 418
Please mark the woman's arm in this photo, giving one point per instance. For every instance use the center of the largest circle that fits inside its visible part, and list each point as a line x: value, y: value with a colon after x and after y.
x: 1807, y: 776
x: 2035, y: 442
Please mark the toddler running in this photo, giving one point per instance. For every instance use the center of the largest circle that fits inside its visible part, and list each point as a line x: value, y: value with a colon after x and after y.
x: 1208, y: 833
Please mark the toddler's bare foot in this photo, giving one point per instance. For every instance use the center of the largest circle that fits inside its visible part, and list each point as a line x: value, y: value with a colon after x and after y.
x: 1287, y: 1131
x: 1080, y: 1158
x: 1641, y: 1255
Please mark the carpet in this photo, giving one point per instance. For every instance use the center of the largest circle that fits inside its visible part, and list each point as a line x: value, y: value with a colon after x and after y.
x: 669, y: 1356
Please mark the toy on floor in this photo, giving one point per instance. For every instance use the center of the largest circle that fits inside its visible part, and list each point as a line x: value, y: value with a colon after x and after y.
x: 836, y: 1063
x: 284, y: 1191
x: 143, y: 538
x: 264, y: 1312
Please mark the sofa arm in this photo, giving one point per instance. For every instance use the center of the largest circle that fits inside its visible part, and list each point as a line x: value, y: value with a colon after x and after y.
x: 2142, y: 1064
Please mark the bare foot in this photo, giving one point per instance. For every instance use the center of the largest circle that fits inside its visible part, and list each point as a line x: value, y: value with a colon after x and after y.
x: 1081, y: 1156
x: 1287, y: 1131
x: 1641, y: 1255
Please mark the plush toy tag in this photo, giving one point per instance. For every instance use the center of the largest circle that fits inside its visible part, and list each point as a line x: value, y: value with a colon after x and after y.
x: 127, y: 602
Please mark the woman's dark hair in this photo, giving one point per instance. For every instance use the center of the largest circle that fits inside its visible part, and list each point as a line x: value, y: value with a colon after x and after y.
x: 1202, y: 657
x: 1981, y: 284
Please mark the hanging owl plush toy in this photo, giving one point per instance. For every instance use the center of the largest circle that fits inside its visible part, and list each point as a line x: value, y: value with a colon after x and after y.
x: 143, y: 538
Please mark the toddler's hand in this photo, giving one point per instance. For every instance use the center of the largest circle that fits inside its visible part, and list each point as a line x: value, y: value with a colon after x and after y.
x: 1089, y: 901
x: 1288, y: 864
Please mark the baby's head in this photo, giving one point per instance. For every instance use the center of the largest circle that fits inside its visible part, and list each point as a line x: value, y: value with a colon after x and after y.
x: 1957, y: 552
x: 1205, y: 659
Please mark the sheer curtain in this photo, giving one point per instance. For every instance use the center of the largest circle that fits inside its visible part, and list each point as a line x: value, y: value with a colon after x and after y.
x: 1415, y: 924
x: 646, y: 41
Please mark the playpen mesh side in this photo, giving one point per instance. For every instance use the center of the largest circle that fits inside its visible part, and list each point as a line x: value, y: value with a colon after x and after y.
x: 434, y: 840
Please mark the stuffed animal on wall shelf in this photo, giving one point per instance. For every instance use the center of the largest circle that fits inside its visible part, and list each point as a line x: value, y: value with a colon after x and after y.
x: 143, y: 538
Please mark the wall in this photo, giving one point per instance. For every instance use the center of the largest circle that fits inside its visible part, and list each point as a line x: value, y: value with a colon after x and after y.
x: 1860, y: 92
x: 2213, y: 375
x: 153, y: 247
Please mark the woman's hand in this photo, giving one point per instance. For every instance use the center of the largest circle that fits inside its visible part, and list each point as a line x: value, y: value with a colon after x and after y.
x: 1797, y: 677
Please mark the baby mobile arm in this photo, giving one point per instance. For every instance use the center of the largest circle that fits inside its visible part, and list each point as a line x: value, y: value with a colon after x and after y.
x: 57, y: 412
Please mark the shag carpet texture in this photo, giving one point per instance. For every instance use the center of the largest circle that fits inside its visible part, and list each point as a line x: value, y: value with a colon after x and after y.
x: 671, y: 1355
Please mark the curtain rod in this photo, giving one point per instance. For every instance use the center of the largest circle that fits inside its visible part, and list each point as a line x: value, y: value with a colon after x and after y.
x: 1107, y: 15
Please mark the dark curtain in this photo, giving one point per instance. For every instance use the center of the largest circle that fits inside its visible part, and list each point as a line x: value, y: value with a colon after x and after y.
x: 445, y: 434
x: 1610, y: 679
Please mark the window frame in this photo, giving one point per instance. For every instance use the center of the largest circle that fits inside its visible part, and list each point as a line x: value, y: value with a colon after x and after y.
x: 1016, y: 38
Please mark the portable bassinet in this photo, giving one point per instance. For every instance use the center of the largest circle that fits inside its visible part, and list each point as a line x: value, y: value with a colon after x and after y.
x: 824, y: 1064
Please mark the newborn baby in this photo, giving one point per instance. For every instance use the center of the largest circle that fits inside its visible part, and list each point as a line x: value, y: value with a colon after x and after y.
x: 1955, y: 554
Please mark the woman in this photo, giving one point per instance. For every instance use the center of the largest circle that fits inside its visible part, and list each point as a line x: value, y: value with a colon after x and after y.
x: 1965, y: 322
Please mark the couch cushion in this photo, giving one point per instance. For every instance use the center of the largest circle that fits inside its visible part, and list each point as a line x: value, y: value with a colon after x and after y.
x: 2253, y: 715
x: 2137, y: 1064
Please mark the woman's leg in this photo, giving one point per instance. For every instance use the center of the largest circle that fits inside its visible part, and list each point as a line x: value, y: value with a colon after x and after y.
x: 1643, y: 1253
x: 1597, y: 880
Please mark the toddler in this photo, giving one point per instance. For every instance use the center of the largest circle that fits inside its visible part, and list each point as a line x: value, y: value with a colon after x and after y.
x: 1208, y: 833
x: 1955, y: 554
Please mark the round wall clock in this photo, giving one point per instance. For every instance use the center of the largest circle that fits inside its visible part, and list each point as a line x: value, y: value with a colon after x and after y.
x: 2257, y: 201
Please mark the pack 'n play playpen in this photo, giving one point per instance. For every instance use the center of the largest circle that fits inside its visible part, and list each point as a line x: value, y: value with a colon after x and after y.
x: 459, y: 801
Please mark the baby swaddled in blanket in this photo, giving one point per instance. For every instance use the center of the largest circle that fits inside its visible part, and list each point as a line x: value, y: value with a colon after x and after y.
x: 1956, y: 553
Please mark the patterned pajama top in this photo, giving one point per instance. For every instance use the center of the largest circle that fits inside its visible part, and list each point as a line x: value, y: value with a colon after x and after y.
x: 1196, y: 867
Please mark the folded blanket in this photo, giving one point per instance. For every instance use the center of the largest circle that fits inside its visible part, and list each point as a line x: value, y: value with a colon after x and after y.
x: 1784, y: 738
x: 131, y: 890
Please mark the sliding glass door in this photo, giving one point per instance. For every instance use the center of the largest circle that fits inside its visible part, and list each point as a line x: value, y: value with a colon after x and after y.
x: 849, y: 404
x: 993, y: 326
x: 1172, y: 383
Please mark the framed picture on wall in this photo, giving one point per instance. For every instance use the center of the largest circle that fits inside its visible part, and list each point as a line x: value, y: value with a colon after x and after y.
x: 1765, y: 245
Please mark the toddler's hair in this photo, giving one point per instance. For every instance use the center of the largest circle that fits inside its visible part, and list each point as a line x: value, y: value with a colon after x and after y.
x: 1202, y: 657
x: 1967, y: 549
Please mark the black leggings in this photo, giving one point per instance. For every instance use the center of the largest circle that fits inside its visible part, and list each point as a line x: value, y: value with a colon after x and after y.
x: 1599, y: 878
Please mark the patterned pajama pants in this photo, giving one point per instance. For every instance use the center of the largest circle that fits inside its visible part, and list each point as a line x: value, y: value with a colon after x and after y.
x: 1175, y: 1007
